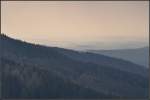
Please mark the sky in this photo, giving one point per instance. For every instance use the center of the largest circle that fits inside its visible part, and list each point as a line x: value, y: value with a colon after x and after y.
x: 78, y: 24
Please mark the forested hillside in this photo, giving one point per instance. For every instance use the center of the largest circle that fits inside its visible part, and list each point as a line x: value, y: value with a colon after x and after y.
x: 35, y: 71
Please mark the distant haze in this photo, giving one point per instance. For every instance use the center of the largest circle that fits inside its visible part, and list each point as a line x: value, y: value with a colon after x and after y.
x: 78, y: 24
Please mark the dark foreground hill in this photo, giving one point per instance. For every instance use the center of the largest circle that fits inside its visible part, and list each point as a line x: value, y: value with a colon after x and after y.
x: 35, y: 71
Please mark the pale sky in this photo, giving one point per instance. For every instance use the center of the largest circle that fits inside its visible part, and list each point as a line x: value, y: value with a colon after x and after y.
x: 78, y: 24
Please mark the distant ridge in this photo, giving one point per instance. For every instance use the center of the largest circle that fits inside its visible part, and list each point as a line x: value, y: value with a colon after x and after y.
x: 139, y: 56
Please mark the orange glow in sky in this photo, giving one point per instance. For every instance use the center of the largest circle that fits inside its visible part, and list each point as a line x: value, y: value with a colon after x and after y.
x: 65, y: 23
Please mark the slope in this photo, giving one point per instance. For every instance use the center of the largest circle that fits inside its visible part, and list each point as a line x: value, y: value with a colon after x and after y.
x: 101, y: 79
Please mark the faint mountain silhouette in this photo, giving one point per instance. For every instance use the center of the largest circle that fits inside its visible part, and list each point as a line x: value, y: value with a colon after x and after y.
x: 138, y: 56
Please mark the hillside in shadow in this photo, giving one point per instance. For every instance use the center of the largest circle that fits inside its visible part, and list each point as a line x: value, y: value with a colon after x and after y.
x: 36, y: 71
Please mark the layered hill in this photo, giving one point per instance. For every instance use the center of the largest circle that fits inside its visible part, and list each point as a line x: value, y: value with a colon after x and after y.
x: 35, y: 71
x: 138, y: 56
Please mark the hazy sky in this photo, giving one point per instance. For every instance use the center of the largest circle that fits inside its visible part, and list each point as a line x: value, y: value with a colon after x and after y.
x: 78, y: 24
